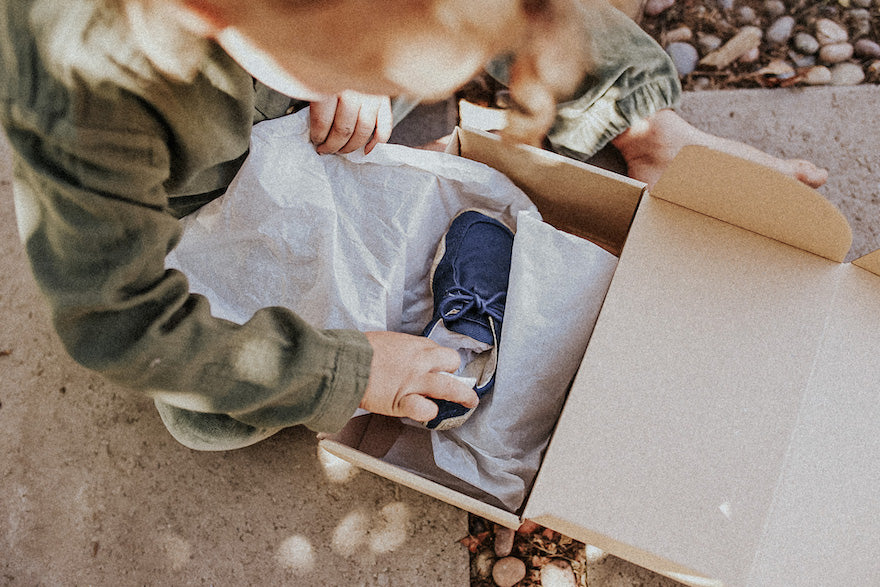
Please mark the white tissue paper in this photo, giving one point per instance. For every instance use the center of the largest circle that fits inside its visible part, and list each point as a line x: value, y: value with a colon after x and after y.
x: 347, y: 241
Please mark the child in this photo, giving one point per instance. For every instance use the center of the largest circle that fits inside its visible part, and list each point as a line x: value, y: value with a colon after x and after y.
x: 125, y: 115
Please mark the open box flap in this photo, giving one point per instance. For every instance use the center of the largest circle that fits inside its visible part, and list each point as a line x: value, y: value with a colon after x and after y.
x: 675, y: 430
x: 827, y: 499
x: 756, y: 198
x: 556, y: 185
x: 869, y: 262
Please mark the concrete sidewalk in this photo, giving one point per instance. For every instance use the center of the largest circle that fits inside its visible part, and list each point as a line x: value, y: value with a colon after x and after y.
x: 94, y: 491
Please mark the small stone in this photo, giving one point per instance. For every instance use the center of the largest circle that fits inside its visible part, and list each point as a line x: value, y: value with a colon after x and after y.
x: 806, y: 43
x: 481, y: 564
x: 780, y: 31
x: 528, y: 527
x: 684, y: 56
x: 595, y: 555
x: 859, y: 21
x: 746, y: 40
x: 701, y: 83
x: 802, y: 60
x: 681, y: 34
x: 847, y: 74
x: 508, y: 571
x: 746, y: 15
x: 708, y: 42
x: 862, y: 3
x: 750, y: 56
x: 867, y: 48
x: 836, y: 53
x: 774, y: 8
x: 503, y: 541
x: 817, y: 76
x: 558, y: 573
x: 829, y: 32
x: 655, y: 7
x: 726, y: 5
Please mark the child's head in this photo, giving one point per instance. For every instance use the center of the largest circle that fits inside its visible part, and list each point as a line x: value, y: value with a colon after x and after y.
x: 421, y: 48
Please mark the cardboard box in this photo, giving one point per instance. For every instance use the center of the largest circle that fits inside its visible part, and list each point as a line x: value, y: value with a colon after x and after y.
x: 723, y: 426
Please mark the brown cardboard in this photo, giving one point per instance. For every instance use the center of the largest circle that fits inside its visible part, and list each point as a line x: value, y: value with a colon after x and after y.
x: 722, y: 427
x: 580, y: 199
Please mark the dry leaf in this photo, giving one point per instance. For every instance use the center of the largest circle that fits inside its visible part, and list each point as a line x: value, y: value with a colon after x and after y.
x: 473, y: 543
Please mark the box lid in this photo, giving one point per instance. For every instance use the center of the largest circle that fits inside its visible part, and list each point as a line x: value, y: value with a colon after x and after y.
x: 683, y: 444
x: 756, y: 198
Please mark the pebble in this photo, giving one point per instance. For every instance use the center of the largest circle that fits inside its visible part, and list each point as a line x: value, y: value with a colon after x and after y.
x: 558, y: 573
x: 701, y: 83
x: 508, y: 571
x: 746, y: 15
x: 684, y: 56
x: 862, y: 3
x: 682, y: 34
x: 774, y: 8
x: 867, y: 48
x: 655, y: 7
x: 829, y: 32
x: 780, y: 31
x: 847, y: 74
x: 802, y: 60
x: 836, y: 53
x: 504, y: 541
x: 726, y: 5
x: 817, y: 76
x: 746, y: 40
x: 806, y: 43
x: 873, y: 73
x: 708, y: 42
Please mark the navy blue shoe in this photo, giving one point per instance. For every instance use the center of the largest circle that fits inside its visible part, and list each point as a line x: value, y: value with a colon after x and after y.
x: 469, y: 283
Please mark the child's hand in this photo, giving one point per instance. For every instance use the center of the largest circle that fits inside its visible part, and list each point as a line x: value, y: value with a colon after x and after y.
x: 348, y: 121
x: 405, y: 369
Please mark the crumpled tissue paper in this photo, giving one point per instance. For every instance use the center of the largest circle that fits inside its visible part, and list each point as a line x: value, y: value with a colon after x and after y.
x: 347, y: 241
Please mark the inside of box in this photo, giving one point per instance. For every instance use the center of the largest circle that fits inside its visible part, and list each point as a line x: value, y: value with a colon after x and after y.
x: 577, y: 198
x: 584, y: 200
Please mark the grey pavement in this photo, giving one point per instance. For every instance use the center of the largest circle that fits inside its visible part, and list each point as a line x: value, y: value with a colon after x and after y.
x: 94, y: 491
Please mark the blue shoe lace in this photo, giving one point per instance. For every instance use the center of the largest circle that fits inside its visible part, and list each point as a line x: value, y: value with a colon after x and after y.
x: 458, y: 301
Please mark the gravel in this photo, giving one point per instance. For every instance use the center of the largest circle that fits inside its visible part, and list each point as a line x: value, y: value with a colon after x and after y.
x: 840, y: 35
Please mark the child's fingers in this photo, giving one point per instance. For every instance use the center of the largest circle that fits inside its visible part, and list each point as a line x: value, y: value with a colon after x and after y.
x: 443, y: 386
x: 418, y: 408
x: 345, y: 124
x: 384, y: 125
x: 321, y: 116
x: 441, y: 358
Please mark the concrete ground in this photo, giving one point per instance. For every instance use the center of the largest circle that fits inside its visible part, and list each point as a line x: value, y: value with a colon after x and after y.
x: 95, y: 492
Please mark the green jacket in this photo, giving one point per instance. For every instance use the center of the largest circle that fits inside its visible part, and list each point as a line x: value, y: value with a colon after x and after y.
x: 110, y: 153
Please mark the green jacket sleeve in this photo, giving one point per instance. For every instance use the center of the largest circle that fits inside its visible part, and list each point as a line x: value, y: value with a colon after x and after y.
x: 94, y: 166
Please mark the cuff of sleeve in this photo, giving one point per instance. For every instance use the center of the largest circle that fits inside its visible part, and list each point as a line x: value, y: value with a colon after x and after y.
x: 351, y: 371
x: 581, y: 129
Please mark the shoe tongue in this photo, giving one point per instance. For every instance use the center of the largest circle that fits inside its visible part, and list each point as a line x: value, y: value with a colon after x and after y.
x: 472, y: 328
